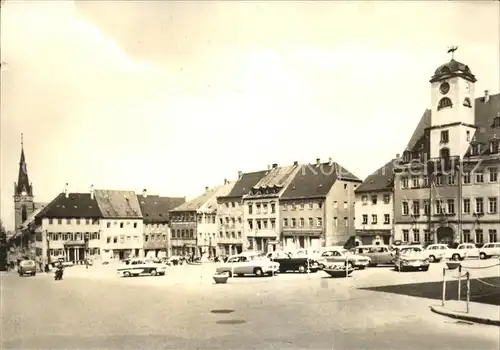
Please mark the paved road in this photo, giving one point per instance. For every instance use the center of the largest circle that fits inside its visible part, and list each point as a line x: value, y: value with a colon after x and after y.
x: 296, y: 311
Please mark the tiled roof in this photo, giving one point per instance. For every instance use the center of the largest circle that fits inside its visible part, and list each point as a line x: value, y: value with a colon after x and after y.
x: 485, y: 112
x: 155, y: 209
x: 277, y: 176
x: 210, y: 205
x: 75, y: 205
x: 382, y: 179
x: 38, y: 208
x: 118, y: 204
x: 316, y: 180
x: 245, y: 184
x: 209, y: 196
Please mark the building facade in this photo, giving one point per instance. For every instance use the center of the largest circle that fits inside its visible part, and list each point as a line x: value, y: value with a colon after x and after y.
x: 447, y: 187
x: 317, y: 207
x: 261, y: 208
x: 374, y: 207
x: 230, y: 215
x: 155, y: 211
x: 121, y: 224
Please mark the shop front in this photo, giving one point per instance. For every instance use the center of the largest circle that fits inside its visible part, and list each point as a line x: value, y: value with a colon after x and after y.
x: 373, y: 237
x: 300, y: 240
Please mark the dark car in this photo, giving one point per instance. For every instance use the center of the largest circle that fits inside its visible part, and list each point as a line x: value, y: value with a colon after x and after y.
x: 27, y: 267
x: 288, y: 262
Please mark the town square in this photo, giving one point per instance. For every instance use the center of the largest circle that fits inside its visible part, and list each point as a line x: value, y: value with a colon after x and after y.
x: 250, y: 175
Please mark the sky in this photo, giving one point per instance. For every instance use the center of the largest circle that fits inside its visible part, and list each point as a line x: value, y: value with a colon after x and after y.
x: 175, y: 96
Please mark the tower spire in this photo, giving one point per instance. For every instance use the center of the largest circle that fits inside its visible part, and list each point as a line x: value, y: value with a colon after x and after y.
x: 22, y: 143
x: 23, y: 184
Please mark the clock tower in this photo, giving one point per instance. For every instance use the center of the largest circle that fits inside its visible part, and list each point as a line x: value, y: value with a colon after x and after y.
x: 452, y: 105
x: 23, y: 193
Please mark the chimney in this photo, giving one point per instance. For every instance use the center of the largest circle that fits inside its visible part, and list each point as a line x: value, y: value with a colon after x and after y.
x: 318, y: 161
x: 225, y: 181
x: 66, y: 190
x: 207, y: 188
x: 144, y: 193
x: 330, y: 161
x: 268, y: 167
x: 486, y: 96
x: 275, y: 165
x: 295, y: 163
x: 240, y: 174
x: 91, y: 191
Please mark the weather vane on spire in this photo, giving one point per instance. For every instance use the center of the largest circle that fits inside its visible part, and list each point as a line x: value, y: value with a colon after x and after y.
x: 452, y: 50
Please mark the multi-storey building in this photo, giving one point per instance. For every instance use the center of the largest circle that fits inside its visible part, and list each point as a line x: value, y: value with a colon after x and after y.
x: 374, y: 207
x: 155, y: 211
x: 317, y: 207
x: 261, y: 208
x: 230, y: 214
x: 446, y: 185
x: 68, y: 228
x: 121, y: 224
x: 194, y: 224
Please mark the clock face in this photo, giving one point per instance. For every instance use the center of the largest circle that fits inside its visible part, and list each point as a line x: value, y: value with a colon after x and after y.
x: 23, y: 193
x: 444, y: 88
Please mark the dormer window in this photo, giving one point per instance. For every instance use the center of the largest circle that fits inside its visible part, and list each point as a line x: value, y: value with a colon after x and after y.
x: 467, y: 102
x: 496, y: 121
x: 494, y: 146
x: 406, y: 156
x: 445, y: 102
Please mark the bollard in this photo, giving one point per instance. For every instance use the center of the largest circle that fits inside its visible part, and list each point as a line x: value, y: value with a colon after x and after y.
x: 444, y: 287
x: 459, y: 281
x: 468, y: 291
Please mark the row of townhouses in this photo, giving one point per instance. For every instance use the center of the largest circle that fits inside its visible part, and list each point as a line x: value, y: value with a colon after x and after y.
x: 444, y: 187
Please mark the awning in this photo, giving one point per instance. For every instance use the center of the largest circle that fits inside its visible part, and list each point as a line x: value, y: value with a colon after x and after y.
x: 373, y: 233
x: 74, y: 243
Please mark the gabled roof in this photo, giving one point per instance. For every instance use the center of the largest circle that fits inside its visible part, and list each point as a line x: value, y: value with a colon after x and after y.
x: 206, y: 201
x: 316, y: 180
x: 74, y: 205
x: 380, y: 180
x: 31, y: 218
x: 245, y: 184
x: 277, y: 176
x: 118, y: 204
x: 155, y: 209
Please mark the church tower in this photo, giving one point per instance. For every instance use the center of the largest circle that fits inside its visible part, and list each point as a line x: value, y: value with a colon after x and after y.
x: 23, y: 192
x: 452, y: 105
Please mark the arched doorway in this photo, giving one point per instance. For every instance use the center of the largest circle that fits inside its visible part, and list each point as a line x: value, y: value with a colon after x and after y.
x: 445, y: 235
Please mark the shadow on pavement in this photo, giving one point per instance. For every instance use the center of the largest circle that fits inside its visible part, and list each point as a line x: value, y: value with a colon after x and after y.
x: 488, y: 293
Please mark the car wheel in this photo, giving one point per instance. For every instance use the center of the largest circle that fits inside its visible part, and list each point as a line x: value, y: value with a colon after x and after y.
x: 33, y: 274
x: 258, y: 272
x: 426, y: 268
x: 482, y: 256
x: 349, y: 265
x: 239, y: 275
x: 432, y: 258
x: 153, y: 273
x: 361, y: 267
x: 302, y: 269
x: 455, y: 257
x: 126, y: 274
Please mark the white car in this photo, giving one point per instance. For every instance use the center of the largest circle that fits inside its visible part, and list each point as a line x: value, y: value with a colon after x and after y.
x: 248, y: 264
x: 436, y: 252
x: 137, y: 267
x: 488, y: 250
x: 463, y: 251
x: 413, y: 257
x: 339, y: 255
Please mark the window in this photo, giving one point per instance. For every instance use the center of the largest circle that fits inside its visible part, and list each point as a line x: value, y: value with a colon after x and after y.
x: 293, y: 222
x: 108, y: 225
x: 335, y: 222
x: 320, y: 222
x: 233, y: 204
x: 374, y: 219
x: 273, y: 208
x: 345, y: 204
x: 427, y: 207
x: 467, y: 135
x: 259, y: 225
x: 115, y: 239
x: 364, y: 200
x: 250, y: 224
x: 311, y: 205
x: 374, y: 201
x: 466, y: 206
x: 479, y: 176
x: 492, y: 235
x: 466, y: 178
x: 345, y: 187
x: 467, y: 237
x: 387, y: 219
x: 121, y: 224
x: 273, y: 223
x: 415, y: 210
x: 250, y: 208
x: 364, y: 219
x: 493, y: 174
x: 257, y: 208
x: 439, y: 180
x: 416, y: 236
x: 406, y: 236
x: 51, y: 221
x: 335, y: 205
x: 479, y: 236
x: 428, y: 236
x: 108, y: 239
x: 451, y: 179
x: 414, y: 181
x: 346, y: 222
x: 479, y: 205
x: 301, y: 206
x: 445, y: 136
x: 451, y: 206
x: 467, y: 102
x: 445, y: 102
x: 387, y: 198
x: 302, y: 222
x: 492, y: 205
x: 439, y: 207
x: 425, y: 181
x: 494, y: 146
x: 311, y: 222
x: 406, y: 208
x: 285, y: 222
x: 320, y: 205
x: 78, y: 221
x: 404, y: 182
x: 68, y: 221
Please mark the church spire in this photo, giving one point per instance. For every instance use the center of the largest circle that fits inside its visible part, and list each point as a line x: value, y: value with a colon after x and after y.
x: 23, y: 183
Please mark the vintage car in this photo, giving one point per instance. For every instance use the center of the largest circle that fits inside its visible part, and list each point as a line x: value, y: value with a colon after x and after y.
x: 337, y: 255
x: 378, y: 254
x: 462, y: 251
x: 411, y: 258
x: 436, y: 252
x: 489, y: 250
x: 27, y: 267
x: 248, y: 264
x: 294, y: 262
x: 137, y: 267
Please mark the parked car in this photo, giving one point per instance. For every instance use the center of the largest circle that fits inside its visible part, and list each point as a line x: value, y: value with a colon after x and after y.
x: 137, y: 267
x: 463, y: 251
x: 378, y: 254
x: 289, y: 262
x: 27, y: 267
x: 489, y: 250
x: 436, y: 252
x: 336, y: 255
x: 248, y: 264
x: 411, y: 258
